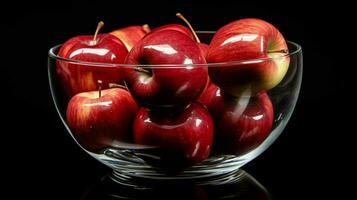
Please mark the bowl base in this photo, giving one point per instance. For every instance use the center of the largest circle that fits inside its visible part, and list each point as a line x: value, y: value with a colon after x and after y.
x: 130, y: 169
x: 152, y: 181
x: 237, y: 184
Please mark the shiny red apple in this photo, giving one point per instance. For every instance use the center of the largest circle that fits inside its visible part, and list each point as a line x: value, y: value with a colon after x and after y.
x: 174, y: 81
x: 78, y: 77
x: 202, y: 46
x: 131, y: 35
x: 241, y: 123
x: 259, y: 46
x: 183, y: 138
x: 173, y: 27
x: 97, y: 119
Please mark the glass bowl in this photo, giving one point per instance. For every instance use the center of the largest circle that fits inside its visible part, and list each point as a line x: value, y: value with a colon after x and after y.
x: 192, y: 134
x: 236, y: 185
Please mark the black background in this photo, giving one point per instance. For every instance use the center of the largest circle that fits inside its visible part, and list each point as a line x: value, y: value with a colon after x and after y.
x: 310, y: 159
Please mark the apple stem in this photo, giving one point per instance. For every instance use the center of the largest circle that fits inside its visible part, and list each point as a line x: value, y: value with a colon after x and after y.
x: 114, y: 85
x: 99, y: 83
x: 99, y: 26
x: 140, y: 69
x: 179, y: 15
x: 279, y: 51
x: 146, y: 28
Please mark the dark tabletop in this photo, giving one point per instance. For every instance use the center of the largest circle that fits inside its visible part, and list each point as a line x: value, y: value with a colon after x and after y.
x: 310, y: 160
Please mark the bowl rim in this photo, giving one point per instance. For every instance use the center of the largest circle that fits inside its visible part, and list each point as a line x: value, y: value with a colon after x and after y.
x: 297, y: 49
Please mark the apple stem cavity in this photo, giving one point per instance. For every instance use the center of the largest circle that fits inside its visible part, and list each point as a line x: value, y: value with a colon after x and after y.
x: 140, y: 69
x: 99, y: 83
x: 115, y: 85
x: 146, y: 28
x: 179, y: 15
x: 99, y: 26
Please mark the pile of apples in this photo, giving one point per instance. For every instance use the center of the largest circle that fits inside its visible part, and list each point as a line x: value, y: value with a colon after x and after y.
x: 187, y: 99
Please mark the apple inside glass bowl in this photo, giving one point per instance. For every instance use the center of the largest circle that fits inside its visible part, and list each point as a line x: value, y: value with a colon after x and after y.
x: 173, y: 110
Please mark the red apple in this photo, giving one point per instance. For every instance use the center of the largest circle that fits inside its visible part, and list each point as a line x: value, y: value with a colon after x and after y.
x: 183, y: 138
x: 131, y: 35
x: 202, y: 46
x: 78, y: 77
x: 245, y: 40
x: 241, y: 123
x: 174, y: 81
x: 173, y: 27
x: 98, y: 119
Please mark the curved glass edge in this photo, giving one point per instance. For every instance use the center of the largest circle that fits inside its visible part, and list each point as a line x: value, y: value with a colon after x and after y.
x: 275, y: 133
x: 53, y: 55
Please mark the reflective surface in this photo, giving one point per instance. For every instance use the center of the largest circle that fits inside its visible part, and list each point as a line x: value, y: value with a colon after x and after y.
x: 236, y: 185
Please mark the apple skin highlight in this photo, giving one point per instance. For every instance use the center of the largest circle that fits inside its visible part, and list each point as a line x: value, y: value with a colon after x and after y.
x: 262, y: 50
x: 96, y: 122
